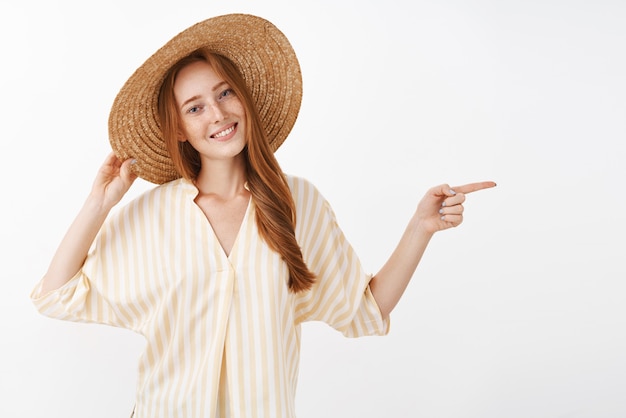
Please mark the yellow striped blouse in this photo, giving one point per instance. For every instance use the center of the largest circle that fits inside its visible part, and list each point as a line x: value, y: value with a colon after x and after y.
x: 223, y: 332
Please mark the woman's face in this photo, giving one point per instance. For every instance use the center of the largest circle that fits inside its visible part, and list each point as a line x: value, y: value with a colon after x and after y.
x: 213, y: 117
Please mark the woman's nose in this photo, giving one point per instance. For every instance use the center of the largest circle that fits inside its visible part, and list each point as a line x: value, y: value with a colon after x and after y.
x: 217, y: 115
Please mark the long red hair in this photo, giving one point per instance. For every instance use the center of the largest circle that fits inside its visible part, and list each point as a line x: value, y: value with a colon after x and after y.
x: 275, y: 214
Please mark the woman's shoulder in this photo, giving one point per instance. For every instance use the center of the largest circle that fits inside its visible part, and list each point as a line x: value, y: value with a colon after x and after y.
x: 305, y: 193
x: 181, y: 185
x: 301, y: 186
x: 166, y: 193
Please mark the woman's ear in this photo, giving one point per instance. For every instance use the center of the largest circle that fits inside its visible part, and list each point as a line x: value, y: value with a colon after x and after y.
x: 180, y: 136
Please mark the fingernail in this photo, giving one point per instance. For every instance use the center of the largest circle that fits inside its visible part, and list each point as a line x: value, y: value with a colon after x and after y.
x: 440, y: 210
x: 452, y: 191
x: 133, y: 162
x: 443, y: 204
x: 443, y: 218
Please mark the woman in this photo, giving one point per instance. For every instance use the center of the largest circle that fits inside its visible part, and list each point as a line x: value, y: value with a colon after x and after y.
x: 219, y: 265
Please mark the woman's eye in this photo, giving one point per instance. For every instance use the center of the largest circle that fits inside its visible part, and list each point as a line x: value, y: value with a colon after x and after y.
x: 193, y: 109
x: 226, y: 93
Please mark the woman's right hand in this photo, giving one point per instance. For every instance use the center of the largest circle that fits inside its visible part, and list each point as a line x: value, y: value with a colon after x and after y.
x: 113, y: 180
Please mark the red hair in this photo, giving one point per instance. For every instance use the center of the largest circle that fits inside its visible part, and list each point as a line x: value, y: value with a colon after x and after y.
x: 275, y: 214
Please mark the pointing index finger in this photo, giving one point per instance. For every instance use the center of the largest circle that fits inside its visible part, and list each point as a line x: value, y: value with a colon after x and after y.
x: 474, y: 187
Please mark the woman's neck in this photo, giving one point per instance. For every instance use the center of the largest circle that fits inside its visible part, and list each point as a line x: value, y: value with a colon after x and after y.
x: 224, y: 178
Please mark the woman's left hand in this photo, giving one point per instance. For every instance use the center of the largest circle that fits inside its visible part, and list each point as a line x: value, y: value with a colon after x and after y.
x: 442, y: 206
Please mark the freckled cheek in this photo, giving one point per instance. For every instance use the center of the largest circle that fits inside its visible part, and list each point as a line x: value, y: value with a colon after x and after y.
x: 237, y: 107
x: 190, y: 130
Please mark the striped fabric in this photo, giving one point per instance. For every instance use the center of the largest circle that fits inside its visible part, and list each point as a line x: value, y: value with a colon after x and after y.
x: 223, y: 333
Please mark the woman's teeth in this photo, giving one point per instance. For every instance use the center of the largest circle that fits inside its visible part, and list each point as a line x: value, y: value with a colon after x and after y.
x: 224, y: 132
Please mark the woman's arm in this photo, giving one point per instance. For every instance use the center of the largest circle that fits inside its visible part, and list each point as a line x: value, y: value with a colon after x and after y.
x: 441, y: 208
x: 112, y: 181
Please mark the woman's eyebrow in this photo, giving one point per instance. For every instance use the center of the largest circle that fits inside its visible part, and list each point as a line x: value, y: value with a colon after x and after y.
x: 196, y: 97
x: 191, y: 99
x: 218, y: 85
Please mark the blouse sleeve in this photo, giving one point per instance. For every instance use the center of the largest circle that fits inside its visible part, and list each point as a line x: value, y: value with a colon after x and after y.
x: 341, y: 296
x: 103, y: 291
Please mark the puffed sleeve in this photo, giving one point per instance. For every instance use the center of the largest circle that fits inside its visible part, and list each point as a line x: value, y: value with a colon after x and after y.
x: 107, y: 289
x: 341, y: 296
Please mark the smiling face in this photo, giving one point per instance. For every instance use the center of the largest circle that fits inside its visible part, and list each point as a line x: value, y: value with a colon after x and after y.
x: 212, y: 115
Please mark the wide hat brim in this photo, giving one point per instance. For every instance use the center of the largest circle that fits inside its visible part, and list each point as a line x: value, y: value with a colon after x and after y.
x: 261, y: 52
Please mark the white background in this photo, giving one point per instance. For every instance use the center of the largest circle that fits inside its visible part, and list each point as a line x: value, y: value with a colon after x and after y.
x: 520, y: 312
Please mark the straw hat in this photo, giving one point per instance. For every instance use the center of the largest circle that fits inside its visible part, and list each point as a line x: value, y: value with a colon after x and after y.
x: 260, y: 51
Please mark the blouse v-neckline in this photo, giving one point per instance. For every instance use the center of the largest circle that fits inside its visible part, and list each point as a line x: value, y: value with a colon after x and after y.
x: 193, y: 192
x: 233, y: 249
